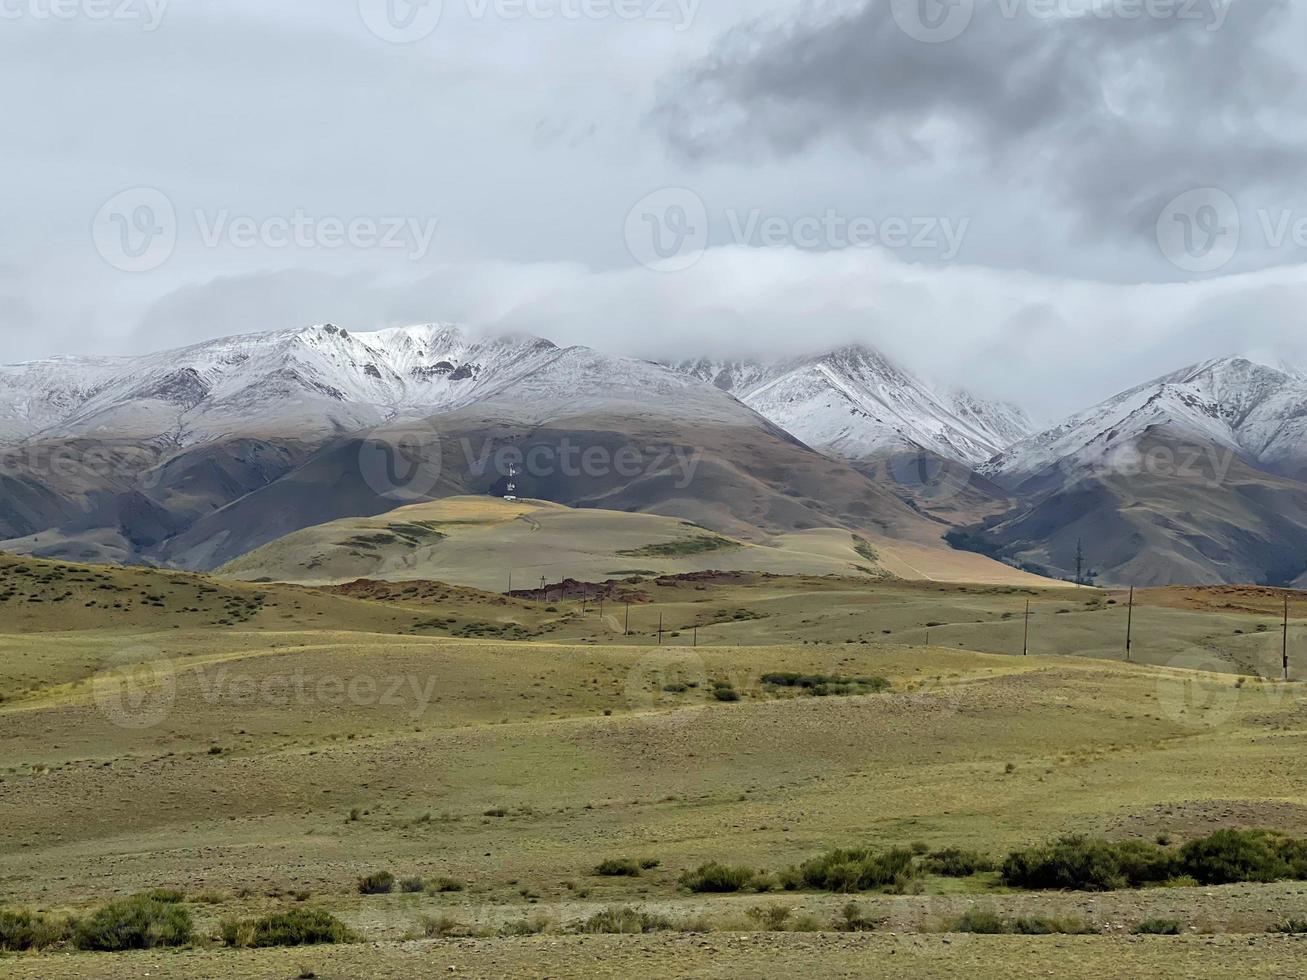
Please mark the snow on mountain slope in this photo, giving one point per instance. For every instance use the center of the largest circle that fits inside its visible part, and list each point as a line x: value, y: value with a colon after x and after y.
x: 1232, y: 403
x: 854, y: 402
x: 323, y: 380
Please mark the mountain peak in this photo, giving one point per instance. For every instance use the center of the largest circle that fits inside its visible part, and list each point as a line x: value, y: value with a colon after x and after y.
x: 855, y: 402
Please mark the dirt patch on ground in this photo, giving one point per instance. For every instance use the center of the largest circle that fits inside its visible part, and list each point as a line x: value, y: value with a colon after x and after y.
x: 1197, y: 818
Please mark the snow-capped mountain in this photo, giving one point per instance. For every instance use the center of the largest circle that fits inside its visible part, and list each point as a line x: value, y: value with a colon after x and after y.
x: 856, y: 403
x: 1257, y: 411
x: 320, y: 381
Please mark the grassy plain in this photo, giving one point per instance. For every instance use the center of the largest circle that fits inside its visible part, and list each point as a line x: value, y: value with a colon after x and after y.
x: 262, y: 746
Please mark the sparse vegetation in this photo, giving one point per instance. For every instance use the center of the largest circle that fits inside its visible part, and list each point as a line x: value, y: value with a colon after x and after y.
x: 697, y: 545
x: 134, y: 923
x: 954, y: 862
x: 624, y: 922
x: 1158, y: 927
x: 617, y: 868
x: 718, y: 878
x: 22, y: 931
x: 377, y: 883
x: 1225, y: 857
x: 988, y: 923
x: 855, y: 870
x: 823, y: 685
x: 296, y: 927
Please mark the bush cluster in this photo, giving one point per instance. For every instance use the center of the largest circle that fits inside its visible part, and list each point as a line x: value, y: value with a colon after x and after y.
x: 140, y: 922
x: 954, y: 862
x: 986, y: 923
x: 21, y: 931
x: 625, y: 922
x: 1079, y: 863
x: 377, y: 883
x: 854, y: 870
x: 297, y: 927
x: 719, y: 879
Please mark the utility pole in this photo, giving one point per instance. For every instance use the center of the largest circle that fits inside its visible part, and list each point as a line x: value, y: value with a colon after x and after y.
x: 660, y: 629
x: 1025, y: 643
x: 601, y: 605
x: 543, y: 597
x: 1286, y: 636
x: 928, y: 639
x: 1080, y: 562
x: 510, y: 581
x: 1130, y: 627
x: 696, y: 636
x: 627, y: 629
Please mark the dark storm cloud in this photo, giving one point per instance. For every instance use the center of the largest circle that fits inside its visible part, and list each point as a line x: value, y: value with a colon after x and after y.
x: 1108, y: 113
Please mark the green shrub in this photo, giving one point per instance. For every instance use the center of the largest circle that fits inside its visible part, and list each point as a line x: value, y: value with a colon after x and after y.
x: 377, y: 883
x: 854, y: 919
x: 1143, y: 863
x: 726, y: 694
x: 1035, y: 925
x: 953, y: 862
x: 1091, y: 864
x: 1230, y: 856
x: 297, y: 927
x: 441, y: 926
x: 981, y: 922
x: 624, y: 922
x: 412, y: 885
x: 618, y: 868
x: 987, y: 923
x: 648, y: 864
x: 1158, y: 927
x: 443, y: 885
x: 771, y: 917
x: 134, y: 923
x: 859, y: 870
x: 1074, y: 863
x: 717, y: 878
x: 21, y: 930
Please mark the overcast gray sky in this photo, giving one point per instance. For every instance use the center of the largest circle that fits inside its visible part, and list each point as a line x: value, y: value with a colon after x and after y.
x: 1049, y: 200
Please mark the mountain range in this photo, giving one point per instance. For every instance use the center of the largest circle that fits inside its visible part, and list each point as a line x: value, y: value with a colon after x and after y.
x: 195, y: 456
